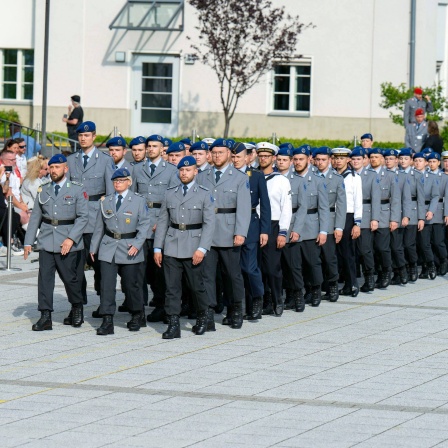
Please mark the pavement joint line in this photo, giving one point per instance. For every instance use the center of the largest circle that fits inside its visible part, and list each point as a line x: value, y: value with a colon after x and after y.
x: 391, y: 305
x: 49, y: 386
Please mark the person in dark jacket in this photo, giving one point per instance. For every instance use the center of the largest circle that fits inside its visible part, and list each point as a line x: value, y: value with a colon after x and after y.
x: 434, y: 141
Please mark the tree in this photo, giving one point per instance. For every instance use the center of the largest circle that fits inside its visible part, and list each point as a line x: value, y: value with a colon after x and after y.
x: 395, y: 98
x: 241, y: 40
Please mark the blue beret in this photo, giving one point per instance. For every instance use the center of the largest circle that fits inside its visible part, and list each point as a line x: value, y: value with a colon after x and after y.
x: 427, y: 151
x: 186, y: 161
x: 199, y: 146
x: 433, y: 155
x: 358, y: 151
x: 222, y: 142
x: 167, y: 142
x: 390, y: 152
x: 176, y: 147
x: 325, y: 150
x: 86, y: 126
x: 137, y: 141
x: 367, y: 136
x: 286, y: 150
x: 154, y: 138
x: 116, y: 141
x: 304, y: 149
x: 121, y: 172
x: 419, y: 155
x: 231, y: 143
x: 406, y: 152
x: 375, y: 151
x: 287, y: 146
x: 186, y: 141
x: 238, y: 147
x: 252, y: 143
x: 57, y: 158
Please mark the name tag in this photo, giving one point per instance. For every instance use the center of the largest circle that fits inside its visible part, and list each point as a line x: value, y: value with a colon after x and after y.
x: 419, y: 137
x: 127, y: 213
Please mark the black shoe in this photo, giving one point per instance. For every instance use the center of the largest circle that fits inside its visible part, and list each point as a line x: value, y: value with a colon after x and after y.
x: 156, y: 315
x: 107, y: 327
x: 68, y: 319
x: 77, y: 316
x: 44, y: 323
x: 278, y: 307
x: 377, y: 284
x: 308, y: 297
x: 257, y: 309
x: 123, y: 308
x: 173, y: 330
x: 134, y: 323
x: 443, y: 268
x: 385, y: 279
x: 237, y: 316
x: 345, y: 291
x: 432, y: 271
x: 228, y: 318
x: 369, y: 284
x: 396, y: 280
x: 413, y: 273
x: 404, y: 275
x: 333, y: 293
x: 355, y: 291
x: 201, y: 323
x: 289, y: 300
x: 299, y: 302
x: 268, y: 310
x: 96, y: 314
x: 424, y: 272
x: 315, y: 296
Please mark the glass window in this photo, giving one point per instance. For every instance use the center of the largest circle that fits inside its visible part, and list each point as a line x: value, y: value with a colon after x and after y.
x: 17, y: 69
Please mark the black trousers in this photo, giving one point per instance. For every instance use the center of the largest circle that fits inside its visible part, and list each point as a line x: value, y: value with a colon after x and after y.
x: 397, y: 248
x: 424, y: 244
x: 383, y: 256
x: 410, y: 244
x: 173, y: 269
x: 346, y: 249
x: 67, y: 268
x: 271, y: 266
x: 291, y: 267
x: 230, y: 263
x: 364, y: 244
x: 330, y: 259
x: 251, y: 269
x: 132, y: 276
x: 87, y: 238
x: 438, y: 241
x: 310, y: 253
x: 154, y: 276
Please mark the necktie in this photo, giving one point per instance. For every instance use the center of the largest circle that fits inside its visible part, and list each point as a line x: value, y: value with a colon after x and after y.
x: 56, y: 189
x: 120, y: 198
x: 116, y: 167
x: 86, y: 159
x: 153, y: 168
x: 185, y: 189
x: 217, y: 176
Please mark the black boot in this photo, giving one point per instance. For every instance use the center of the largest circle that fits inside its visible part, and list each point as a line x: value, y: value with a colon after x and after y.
x: 134, y: 323
x: 379, y: 280
x: 443, y: 267
x: 315, y: 296
x: 77, y: 315
x: 237, y: 316
x: 228, y: 319
x: 369, y: 284
x: 404, y: 275
x: 346, y: 290
x: 107, y: 327
x: 299, y: 302
x: 308, y: 297
x: 278, y: 307
x: 424, y: 272
x: 44, y: 323
x: 210, y: 321
x: 432, y: 271
x: 219, y: 308
x: 156, y: 315
x: 68, y: 320
x: 201, y: 323
x: 385, y: 279
x: 396, y: 279
x: 333, y: 293
x: 173, y: 330
x: 257, y: 308
x: 96, y: 314
x: 184, y: 309
x: 289, y: 301
x: 267, y: 304
x: 413, y: 273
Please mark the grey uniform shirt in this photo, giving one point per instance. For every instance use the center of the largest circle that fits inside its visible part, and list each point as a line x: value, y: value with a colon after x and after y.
x: 371, y: 197
x: 417, y: 191
x: 390, y: 198
x: 416, y: 135
x: 411, y: 105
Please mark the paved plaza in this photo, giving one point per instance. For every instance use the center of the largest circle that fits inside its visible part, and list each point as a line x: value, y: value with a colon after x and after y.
x: 364, y: 372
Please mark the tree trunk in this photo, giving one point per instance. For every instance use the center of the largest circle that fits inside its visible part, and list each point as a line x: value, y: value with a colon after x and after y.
x: 226, y: 124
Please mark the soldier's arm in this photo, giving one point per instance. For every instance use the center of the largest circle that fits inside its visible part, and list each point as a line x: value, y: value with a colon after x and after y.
x: 358, y: 199
x: 375, y: 195
x: 407, y: 140
x: 429, y: 106
x: 395, y: 199
x: 82, y: 217
x: 174, y: 179
x: 341, y: 206
x: 406, y: 198
x: 208, y: 222
x: 265, y: 206
x: 421, y: 207
x: 110, y: 168
x: 300, y: 214
x: 435, y: 192
x: 243, y: 208
x: 324, y: 213
x: 286, y: 206
x: 406, y: 113
x: 34, y: 224
x: 162, y: 226
x: 143, y: 224
x: 98, y: 233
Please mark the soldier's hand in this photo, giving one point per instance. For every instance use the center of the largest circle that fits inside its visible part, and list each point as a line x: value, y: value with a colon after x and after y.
x: 92, y: 256
x: 356, y: 231
x: 158, y: 259
x: 446, y: 220
x: 263, y: 239
x: 238, y: 240
x: 66, y: 246
x: 337, y: 235
x: 281, y: 241
x: 420, y: 225
x: 154, y: 228
x: 133, y: 251
x: 26, y: 251
x: 429, y: 215
x: 294, y: 237
x: 321, y: 239
x: 405, y: 222
x: 373, y: 225
x: 393, y: 226
x: 198, y: 256
x: 427, y: 98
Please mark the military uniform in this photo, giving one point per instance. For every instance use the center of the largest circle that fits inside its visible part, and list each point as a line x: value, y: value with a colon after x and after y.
x: 411, y: 105
x: 416, y: 135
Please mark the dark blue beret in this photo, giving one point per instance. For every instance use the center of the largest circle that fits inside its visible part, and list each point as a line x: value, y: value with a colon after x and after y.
x: 286, y: 150
x: 252, y: 143
x: 222, y: 143
x: 137, y: 141
x: 186, y: 141
x: 199, y: 146
x: 154, y: 138
x: 375, y: 151
x: 433, y: 155
x: 121, y: 172
x: 286, y: 145
x: 419, y: 155
x: 358, y: 151
x: 86, y: 126
x: 238, y: 147
x: 57, y: 158
x: 390, y: 152
x: 116, y: 141
x: 186, y: 161
x: 231, y: 143
x: 367, y: 136
x: 176, y: 147
x: 406, y: 152
x: 427, y: 151
x: 304, y: 149
x: 167, y: 142
x: 325, y: 150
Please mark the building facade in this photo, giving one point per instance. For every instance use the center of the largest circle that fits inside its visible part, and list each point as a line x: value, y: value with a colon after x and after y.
x: 130, y: 61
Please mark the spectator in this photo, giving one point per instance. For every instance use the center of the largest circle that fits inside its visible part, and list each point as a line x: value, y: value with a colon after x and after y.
x: 37, y: 170
x: 417, y: 102
x: 75, y: 118
x: 434, y: 141
x: 21, y: 157
x: 33, y: 148
x: 416, y: 133
x: 12, y: 145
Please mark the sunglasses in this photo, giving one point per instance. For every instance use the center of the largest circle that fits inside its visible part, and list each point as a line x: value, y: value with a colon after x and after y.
x: 21, y: 147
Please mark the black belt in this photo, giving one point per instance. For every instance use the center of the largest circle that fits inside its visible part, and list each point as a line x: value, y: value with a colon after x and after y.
x: 414, y: 198
x: 186, y: 226
x: 119, y: 236
x: 154, y: 204
x: 332, y: 209
x: 96, y: 197
x: 440, y: 199
x: 225, y: 210
x: 366, y: 201
x: 385, y: 201
x: 254, y: 210
x: 311, y: 211
x: 294, y: 209
x: 58, y: 222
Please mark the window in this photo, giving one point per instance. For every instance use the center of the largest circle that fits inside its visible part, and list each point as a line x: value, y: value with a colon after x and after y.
x: 17, y: 74
x: 292, y: 88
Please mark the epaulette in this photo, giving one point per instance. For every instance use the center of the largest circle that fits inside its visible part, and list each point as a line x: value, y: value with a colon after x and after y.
x: 77, y: 183
x: 337, y: 174
x: 171, y: 188
x: 204, y: 188
x: 138, y: 194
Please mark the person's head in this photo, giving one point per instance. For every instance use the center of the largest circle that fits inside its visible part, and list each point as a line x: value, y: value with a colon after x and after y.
x: 301, y: 158
x: 199, y: 151
x: 267, y: 155
x: 76, y: 100
x: 58, y: 168
x: 341, y: 158
x: 8, y: 157
x: 37, y: 167
x: 21, y: 146
x: 187, y: 143
x: 121, y: 180
x: 375, y: 158
x: 390, y: 161
x: 434, y: 161
x: 239, y: 155
x: 322, y: 158
x: 357, y: 158
x: 418, y: 93
x: 117, y: 149
x: 15, y: 127
x: 367, y: 140
x: 187, y: 169
x: 12, y: 145
x: 86, y: 135
x: 405, y: 158
x: 138, y: 148
x: 433, y: 128
x: 154, y: 147
x: 445, y: 161
x: 419, y: 115
x: 420, y: 161
x: 175, y: 153
x: 284, y: 157
x: 220, y: 152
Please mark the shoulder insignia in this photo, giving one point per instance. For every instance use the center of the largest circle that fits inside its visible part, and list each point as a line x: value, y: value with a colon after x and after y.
x: 212, y: 199
x: 247, y: 184
x: 39, y: 190
x: 138, y: 194
x: 77, y: 183
x: 204, y: 188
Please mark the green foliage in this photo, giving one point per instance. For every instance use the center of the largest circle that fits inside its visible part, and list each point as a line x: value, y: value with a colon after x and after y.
x: 9, y: 115
x: 394, y: 97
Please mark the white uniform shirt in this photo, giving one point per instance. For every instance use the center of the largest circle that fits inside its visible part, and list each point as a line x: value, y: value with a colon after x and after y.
x: 21, y: 164
x: 353, y: 190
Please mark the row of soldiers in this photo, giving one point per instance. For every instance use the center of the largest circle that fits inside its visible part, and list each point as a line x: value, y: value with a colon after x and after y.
x: 204, y: 227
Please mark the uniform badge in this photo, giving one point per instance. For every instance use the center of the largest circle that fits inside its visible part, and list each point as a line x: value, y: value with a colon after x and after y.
x: 39, y: 190
x: 249, y: 173
x: 86, y: 196
x: 128, y: 220
x: 247, y: 185
x: 212, y: 199
x: 109, y: 212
